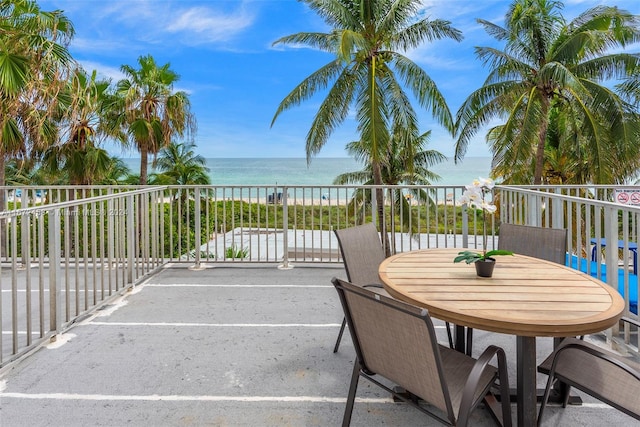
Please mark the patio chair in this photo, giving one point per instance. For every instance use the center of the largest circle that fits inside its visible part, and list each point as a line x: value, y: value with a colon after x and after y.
x: 362, y: 253
x: 549, y: 244
x: 397, y: 341
x: 598, y: 372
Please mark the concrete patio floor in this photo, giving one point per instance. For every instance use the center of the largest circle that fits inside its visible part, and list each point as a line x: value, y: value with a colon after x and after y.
x: 230, y: 345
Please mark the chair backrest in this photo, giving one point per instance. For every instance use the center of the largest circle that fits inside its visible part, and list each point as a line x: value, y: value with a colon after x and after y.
x: 395, y: 340
x: 362, y: 253
x: 545, y: 243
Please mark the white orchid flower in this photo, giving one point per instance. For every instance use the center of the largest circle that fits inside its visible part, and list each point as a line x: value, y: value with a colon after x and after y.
x: 474, y: 195
x: 486, y: 183
x: 490, y: 208
x: 472, y: 191
x: 475, y: 185
x: 471, y: 197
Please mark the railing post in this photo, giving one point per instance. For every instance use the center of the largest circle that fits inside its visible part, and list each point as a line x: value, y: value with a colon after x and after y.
x: 533, y: 210
x: 110, y: 238
x: 25, y: 226
x: 557, y: 212
x: 131, y: 236
x: 196, y: 221
x: 374, y: 204
x: 465, y: 226
x: 55, y: 291
x: 285, y: 231
x: 611, y: 250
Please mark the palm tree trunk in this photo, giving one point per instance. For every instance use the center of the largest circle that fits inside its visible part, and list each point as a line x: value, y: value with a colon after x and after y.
x: 144, y: 164
x: 377, y: 180
x: 542, y: 138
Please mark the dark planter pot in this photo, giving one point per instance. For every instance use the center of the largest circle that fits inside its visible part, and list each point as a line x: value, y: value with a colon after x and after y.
x: 485, y: 268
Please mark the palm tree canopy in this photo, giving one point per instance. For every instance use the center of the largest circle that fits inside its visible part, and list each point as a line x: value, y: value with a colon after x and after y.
x: 83, y: 107
x: 34, y: 65
x: 153, y: 113
x: 546, y: 64
x: 369, y: 71
x: 179, y: 163
x: 409, y: 163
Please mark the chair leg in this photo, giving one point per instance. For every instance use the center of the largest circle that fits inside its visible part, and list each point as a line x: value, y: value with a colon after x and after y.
x: 566, y: 396
x: 469, y: 341
x: 353, y: 387
x: 545, y: 398
x: 505, y: 399
x: 344, y: 323
x: 449, y: 335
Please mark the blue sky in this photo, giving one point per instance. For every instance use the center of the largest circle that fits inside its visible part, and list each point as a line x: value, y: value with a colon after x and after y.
x: 222, y: 50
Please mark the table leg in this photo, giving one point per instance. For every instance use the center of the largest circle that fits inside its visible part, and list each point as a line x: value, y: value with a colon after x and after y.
x: 459, y: 340
x: 526, y: 381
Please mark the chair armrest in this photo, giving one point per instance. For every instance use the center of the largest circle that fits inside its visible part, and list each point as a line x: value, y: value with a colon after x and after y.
x: 374, y: 285
x: 473, y: 379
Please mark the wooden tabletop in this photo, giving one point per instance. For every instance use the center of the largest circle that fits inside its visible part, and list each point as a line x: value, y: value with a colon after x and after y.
x: 526, y: 296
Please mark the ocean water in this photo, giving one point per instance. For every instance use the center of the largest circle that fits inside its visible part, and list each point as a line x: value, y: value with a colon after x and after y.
x: 321, y: 171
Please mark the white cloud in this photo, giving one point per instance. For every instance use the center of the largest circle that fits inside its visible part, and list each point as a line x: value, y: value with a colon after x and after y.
x: 210, y: 25
x: 161, y: 22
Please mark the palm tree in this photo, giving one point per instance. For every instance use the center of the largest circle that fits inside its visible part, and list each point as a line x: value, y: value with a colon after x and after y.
x: 83, y: 125
x: 179, y: 163
x: 407, y: 163
x: 116, y: 173
x: 34, y: 65
x: 550, y: 64
x: 369, y: 73
x: 153, y: 113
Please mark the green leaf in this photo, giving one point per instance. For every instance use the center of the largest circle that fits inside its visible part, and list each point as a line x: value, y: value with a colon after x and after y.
x: 468, y: 257
x: 498, y: 252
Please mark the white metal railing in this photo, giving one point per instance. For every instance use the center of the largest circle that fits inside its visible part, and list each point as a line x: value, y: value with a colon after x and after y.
x: 64, y: 259
x: 602, y: 235
x: 66, y: 250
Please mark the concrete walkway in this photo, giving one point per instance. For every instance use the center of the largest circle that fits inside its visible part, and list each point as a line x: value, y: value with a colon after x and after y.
x: 237, y: 345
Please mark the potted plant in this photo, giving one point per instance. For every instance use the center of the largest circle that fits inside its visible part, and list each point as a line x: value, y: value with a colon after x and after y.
x: 475, y: 196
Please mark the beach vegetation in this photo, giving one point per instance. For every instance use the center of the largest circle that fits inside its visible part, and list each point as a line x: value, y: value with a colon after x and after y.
x: 236, y: 252
x: 549, y: 85
x: 369, y: 73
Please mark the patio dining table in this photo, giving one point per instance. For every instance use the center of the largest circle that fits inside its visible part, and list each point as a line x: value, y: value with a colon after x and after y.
x: 527, y: 297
